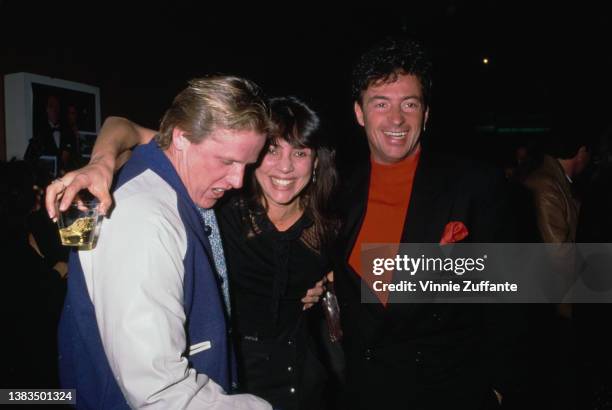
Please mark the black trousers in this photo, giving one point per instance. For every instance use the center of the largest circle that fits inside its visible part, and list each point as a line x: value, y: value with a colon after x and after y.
x: 285, y: 372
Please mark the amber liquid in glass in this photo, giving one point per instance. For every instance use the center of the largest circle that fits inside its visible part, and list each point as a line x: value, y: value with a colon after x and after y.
x: 79, y: 233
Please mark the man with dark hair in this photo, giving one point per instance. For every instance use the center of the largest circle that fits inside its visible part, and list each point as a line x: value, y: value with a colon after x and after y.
x: 48, y: 131
x: 51, y: 138
x: 429, y: 356
x: 567, y: 155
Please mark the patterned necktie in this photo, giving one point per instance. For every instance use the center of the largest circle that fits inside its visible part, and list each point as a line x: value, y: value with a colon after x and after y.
x: 214, y: 237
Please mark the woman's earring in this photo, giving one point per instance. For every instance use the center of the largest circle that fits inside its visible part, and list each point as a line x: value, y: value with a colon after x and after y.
x: 314, y: 175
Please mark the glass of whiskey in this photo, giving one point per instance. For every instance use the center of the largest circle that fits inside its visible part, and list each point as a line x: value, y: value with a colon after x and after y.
x: 79, y: 225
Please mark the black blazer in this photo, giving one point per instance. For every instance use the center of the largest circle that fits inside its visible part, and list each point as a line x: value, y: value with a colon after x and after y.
x: 426, y: 355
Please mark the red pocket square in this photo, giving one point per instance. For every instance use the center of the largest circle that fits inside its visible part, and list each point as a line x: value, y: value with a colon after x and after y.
x: 453, y: 232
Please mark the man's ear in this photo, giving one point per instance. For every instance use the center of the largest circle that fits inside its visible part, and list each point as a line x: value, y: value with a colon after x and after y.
x: 179, y: 141
x: 359, y: 113
x: 425, y: 118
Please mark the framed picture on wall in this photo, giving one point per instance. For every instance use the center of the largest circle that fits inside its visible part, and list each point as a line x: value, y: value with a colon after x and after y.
x: 49, y: 117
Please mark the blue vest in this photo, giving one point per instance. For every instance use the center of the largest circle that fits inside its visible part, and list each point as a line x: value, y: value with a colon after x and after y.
x: 83, y: 363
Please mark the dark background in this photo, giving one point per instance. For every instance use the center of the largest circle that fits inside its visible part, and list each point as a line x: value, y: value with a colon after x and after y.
x: 548, y: 62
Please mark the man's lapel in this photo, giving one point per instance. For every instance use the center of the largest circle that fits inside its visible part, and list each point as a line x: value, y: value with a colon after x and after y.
x: 430, y: 201
x: 429, y: 209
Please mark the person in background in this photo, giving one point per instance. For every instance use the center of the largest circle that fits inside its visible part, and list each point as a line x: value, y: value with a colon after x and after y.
x: 51, y: 138
x: 567, y: 154
x: 71, y: 132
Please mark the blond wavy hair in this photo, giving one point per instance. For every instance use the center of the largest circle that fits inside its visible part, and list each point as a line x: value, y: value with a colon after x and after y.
x: 209, y: 103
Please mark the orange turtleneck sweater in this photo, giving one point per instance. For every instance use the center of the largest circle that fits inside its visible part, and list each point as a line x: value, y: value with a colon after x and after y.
x: 387, y: 206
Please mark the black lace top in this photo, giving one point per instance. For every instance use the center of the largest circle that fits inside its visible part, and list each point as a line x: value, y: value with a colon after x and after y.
x: 269, y: 271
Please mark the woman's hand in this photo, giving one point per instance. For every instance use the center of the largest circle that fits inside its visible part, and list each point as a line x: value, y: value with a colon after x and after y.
x: 313, y: 295
x: 96, y: 177
x: 62, y: 269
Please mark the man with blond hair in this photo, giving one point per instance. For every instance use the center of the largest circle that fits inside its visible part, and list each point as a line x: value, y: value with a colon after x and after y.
x: 144, y: 324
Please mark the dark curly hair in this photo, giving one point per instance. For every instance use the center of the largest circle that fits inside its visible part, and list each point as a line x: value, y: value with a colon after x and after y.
x: 388, y: 59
